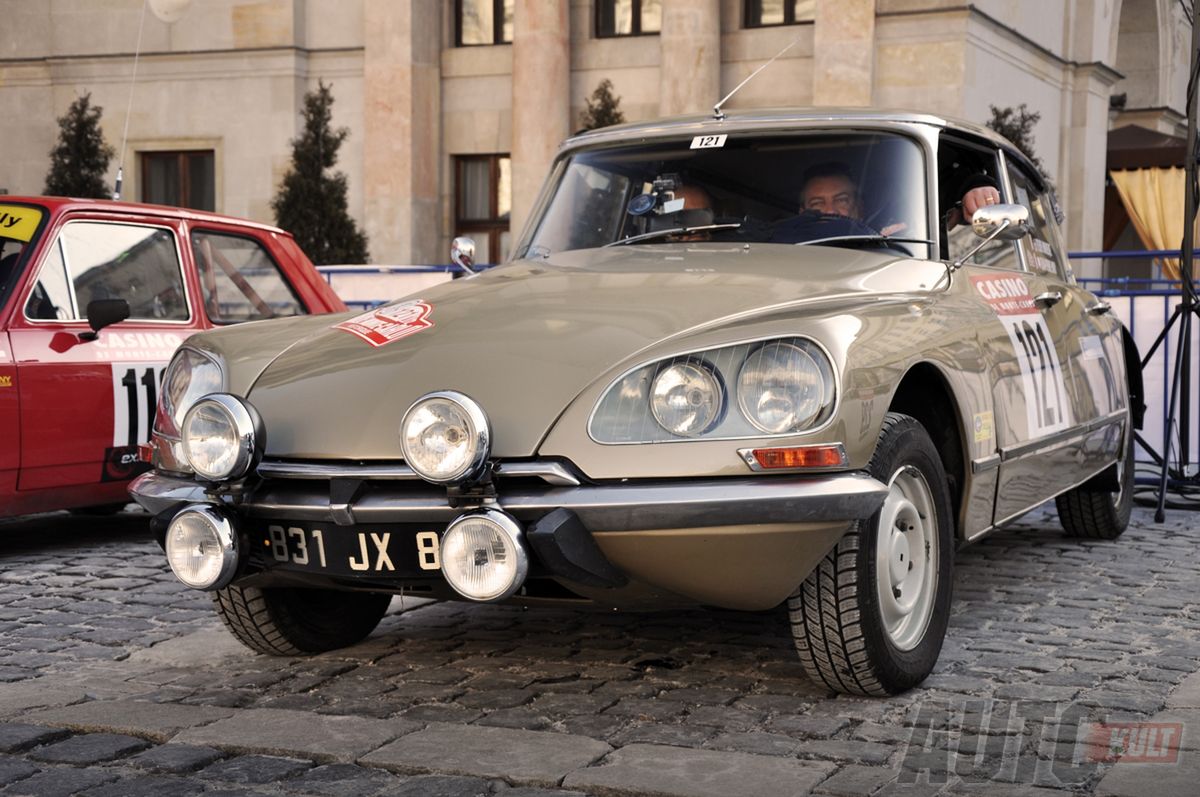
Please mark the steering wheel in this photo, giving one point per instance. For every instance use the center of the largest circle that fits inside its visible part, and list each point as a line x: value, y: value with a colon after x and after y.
x: 811, y: 225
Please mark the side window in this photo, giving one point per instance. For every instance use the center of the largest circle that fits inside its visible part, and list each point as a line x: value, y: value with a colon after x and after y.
x: 1041, y: 252
x: 239, y: 281
x: 95, y: 260
x: 963, y: 165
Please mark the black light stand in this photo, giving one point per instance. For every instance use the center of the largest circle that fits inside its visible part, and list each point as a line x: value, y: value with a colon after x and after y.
x: 1181, y: 379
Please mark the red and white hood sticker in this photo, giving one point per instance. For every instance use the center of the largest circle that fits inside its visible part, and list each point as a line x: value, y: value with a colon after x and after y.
x: 1006, y: 295
x: 390, y: 323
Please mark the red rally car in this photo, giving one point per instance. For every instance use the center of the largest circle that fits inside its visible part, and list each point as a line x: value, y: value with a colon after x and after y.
x: 94, y: 298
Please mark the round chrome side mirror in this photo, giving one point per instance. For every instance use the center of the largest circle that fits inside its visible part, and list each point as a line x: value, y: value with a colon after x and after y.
x: 462, y: 254
x: 1002, y: 222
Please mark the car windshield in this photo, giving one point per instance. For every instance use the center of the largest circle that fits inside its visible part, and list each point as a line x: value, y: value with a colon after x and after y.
x: 848, y: 188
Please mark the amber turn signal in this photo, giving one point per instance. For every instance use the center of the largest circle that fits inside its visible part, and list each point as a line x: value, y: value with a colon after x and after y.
x: 824, y: 456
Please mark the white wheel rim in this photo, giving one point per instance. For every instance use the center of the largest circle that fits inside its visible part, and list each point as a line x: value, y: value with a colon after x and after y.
x: 906, y: 558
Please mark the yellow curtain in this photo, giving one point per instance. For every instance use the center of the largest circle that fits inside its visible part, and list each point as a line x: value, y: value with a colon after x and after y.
x: 1154, y: 200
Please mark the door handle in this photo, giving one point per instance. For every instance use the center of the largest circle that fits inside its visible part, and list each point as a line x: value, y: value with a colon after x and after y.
x: 1098, y: 308
x: 1048, y: 299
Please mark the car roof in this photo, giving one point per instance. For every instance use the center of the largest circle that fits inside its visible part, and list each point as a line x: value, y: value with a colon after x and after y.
x: 773, y: 118
x: 56, y: 204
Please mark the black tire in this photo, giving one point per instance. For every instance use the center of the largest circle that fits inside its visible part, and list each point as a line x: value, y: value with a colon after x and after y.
x: 293, y: 622
x: 837, y: 614
x: 1102, y: 515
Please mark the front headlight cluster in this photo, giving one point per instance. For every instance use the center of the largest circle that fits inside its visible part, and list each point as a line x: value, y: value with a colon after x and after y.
x: 190, y: 375
x: 780, y: 387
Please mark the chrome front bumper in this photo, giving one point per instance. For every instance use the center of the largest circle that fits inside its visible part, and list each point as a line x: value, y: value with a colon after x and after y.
x: 624, y: 506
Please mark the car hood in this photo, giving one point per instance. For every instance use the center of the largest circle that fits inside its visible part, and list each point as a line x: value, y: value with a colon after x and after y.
x: 525, y: 339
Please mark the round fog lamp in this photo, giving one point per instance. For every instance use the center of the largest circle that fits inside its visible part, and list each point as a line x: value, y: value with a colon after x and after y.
x: 445, y: 437
x: 220, y: 437
x: 201, y: 547
x: 483, y: 556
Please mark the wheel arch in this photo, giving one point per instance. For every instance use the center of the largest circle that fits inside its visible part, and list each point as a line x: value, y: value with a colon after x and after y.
x: 924, y: 393
x: 1133, y: 378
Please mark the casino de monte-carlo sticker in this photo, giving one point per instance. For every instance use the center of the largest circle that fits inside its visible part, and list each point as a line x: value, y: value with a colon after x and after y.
x: 1047, y: 405
x: 385, y: 325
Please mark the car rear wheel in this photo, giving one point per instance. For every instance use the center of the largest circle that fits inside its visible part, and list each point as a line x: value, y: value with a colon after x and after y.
x: 293, y: 622
x: 1102, y: 515
x: 870, y: 619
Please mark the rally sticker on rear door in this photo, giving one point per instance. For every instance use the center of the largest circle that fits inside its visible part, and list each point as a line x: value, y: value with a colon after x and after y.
x: 384, y: 325
x: 1046, y: 401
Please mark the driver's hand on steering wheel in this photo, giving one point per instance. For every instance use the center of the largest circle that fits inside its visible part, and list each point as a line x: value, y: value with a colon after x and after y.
x: 892, y: 229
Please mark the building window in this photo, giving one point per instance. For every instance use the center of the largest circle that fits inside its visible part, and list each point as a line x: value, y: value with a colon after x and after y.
x: 765, y: 13
x: 183, y: 179
x: 483, y: 22
x: 482, y: 203
x: 627, y: 17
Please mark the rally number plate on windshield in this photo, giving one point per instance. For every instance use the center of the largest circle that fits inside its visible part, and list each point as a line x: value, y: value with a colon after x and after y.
x: 358, y: 551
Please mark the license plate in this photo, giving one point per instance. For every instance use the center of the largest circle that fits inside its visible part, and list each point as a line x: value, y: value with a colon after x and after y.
x: 361, y: 551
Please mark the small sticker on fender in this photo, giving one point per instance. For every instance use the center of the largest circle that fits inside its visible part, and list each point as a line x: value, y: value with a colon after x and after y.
x: 384, y: 325
x: 984, y: 427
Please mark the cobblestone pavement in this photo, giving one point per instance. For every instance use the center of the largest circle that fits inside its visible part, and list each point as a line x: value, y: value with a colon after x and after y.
x: 115, y: 680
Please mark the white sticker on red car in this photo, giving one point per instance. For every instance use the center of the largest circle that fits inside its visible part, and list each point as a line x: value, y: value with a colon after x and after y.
x: 135, y: 389
x: 385, y: 325
x: 1047, y: 405
x: 116, y: 346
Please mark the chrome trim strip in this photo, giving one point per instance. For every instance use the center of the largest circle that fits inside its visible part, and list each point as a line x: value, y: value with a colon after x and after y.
x: 1073, y: 434
x: 608, y: 507
x: 324, y: 472
x: 157, y: 492
x: 985, y: 464
x: 549, y: 472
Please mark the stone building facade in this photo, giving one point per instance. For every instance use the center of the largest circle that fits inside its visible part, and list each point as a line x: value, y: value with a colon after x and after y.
x: 455, y: 107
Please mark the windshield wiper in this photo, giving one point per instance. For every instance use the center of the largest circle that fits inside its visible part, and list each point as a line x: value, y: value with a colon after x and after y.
x: 883, y: 239
x: 646, y: 236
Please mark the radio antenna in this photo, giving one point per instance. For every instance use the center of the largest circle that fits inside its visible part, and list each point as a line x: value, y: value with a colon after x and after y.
x: 718, y: 114
x: 137, y: 50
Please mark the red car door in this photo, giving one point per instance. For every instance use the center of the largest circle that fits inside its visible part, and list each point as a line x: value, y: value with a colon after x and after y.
x: 85, y: 404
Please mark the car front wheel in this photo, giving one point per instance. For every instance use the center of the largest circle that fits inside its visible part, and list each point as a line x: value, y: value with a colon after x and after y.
x: 870, y: 619
x: 293, y: 622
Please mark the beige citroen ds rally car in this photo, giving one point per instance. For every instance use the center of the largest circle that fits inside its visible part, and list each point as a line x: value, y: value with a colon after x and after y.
x: 734, y: 362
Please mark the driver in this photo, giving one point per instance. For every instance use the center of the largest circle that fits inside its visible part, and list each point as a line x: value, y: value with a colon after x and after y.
x: 829, y: 189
